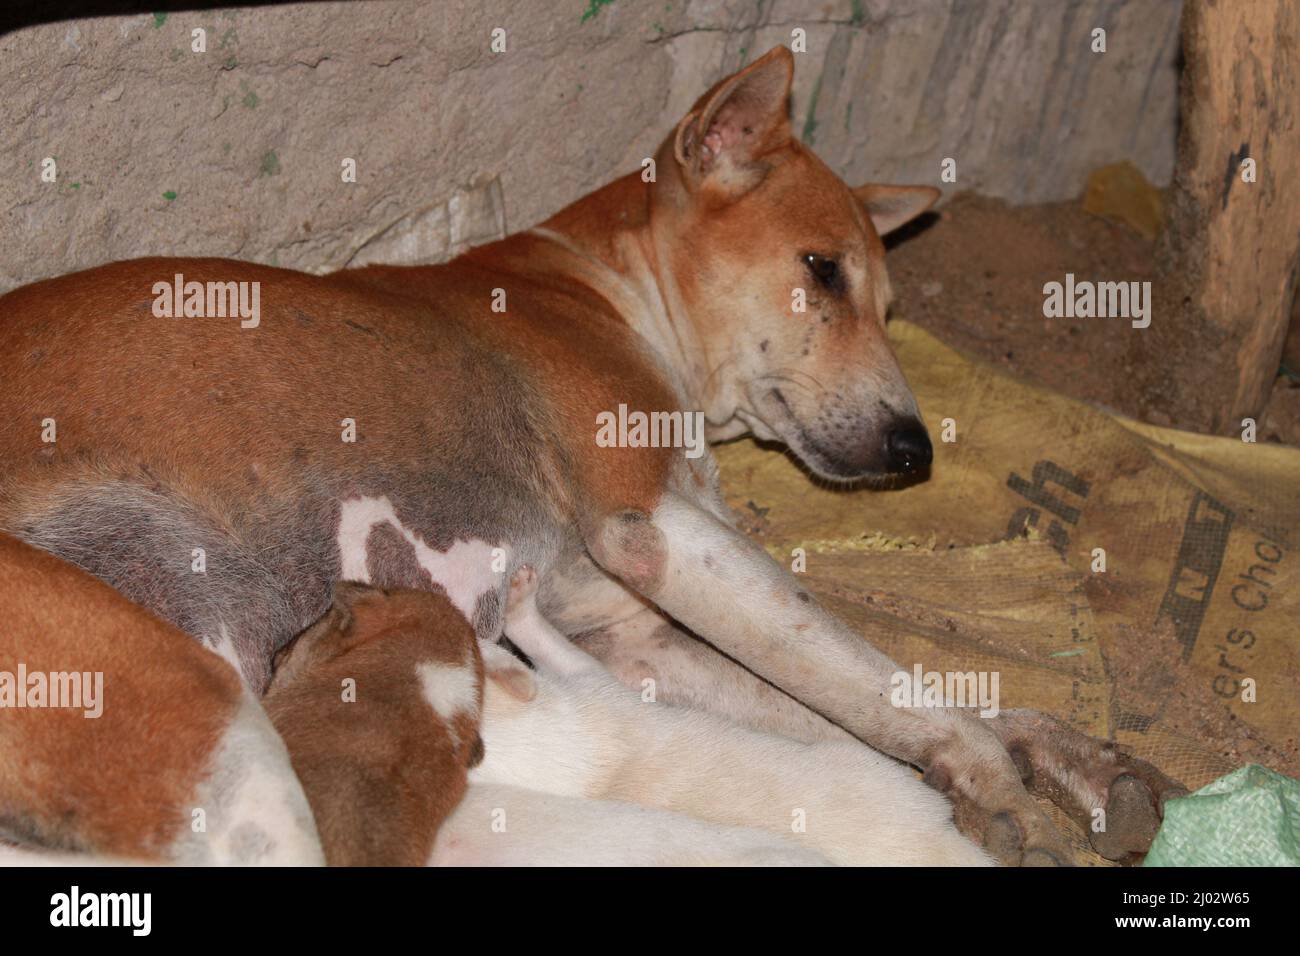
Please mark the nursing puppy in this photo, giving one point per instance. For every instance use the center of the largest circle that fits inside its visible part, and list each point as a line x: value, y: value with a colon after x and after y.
x: 127, y: 738
x: 575, y: 731
x: 378, y: 703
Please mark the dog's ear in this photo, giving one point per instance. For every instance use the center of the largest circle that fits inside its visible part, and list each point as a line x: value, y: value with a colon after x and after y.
x: 720, y: 143
x: 891, y: 206
x: 326, y: 634
x: 508, y: 672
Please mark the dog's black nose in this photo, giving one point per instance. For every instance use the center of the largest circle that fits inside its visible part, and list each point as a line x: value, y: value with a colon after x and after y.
x: 909, y: 447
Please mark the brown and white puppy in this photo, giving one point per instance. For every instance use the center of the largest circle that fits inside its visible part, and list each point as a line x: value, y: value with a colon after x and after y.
x: 122, y: 736
x: 379, y: 702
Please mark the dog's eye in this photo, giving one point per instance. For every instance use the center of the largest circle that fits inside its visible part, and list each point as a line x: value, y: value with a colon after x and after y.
x: 825, y: 270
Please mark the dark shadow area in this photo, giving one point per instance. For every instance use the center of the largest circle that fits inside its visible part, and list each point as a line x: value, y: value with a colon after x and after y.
x: 881, y: 483
x: 912, y: 229
x: 19, y: 14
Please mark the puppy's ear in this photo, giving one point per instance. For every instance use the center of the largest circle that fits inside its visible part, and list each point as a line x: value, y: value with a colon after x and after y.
x: 507, y: 672
x: 720, y: 143
x: 892, y: 206
x: 329, y: 628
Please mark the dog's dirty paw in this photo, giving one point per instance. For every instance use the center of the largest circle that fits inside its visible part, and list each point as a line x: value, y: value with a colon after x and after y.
x: 1131, y: 820
x: 1015, y: 833
x: 1020, y: 837
x: 1117, y: 797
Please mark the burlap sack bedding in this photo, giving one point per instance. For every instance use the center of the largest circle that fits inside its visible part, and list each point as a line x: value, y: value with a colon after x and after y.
x: 989, y: 565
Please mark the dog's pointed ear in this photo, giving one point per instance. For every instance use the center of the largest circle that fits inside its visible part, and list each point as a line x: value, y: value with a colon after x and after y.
x: 722, y: 140
x: 507, y: 672
x: 891, y: 206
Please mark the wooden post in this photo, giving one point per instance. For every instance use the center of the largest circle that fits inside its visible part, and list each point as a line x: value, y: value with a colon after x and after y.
x: 1235, y: 243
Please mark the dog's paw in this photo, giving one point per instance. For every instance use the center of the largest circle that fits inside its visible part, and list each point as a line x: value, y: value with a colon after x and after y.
x: 992, y: 809
x: 1118, y: 798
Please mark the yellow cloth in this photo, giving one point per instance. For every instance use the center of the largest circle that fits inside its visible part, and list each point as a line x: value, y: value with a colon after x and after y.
x: 989, y: 564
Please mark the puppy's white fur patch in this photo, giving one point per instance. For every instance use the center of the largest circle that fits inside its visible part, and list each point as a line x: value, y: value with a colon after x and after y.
x: 254, y: 809
x: 450, y: 689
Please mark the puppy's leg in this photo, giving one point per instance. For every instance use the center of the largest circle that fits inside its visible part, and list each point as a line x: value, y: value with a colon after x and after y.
x: 535, y: 636
x: 727, y: 589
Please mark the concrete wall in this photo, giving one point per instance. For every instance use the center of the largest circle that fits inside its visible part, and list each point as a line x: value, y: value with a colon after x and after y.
x: 238, y: 151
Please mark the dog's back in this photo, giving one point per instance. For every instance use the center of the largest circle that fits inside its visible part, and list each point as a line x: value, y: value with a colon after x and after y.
x: 379, y: 705
x: 121, y: 735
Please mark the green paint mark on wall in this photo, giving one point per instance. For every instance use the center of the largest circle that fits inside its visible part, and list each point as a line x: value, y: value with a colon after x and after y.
x: 250, y: 100
x: 810, y: 124
x: 169, y: 195
x: 76, y: 185
x: 594, y: 9
x: 859, y: 14
x: 159, y: 19
x: 271, y: 164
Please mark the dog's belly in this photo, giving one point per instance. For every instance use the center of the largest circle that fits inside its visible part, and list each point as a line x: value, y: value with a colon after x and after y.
x: 246, y: 587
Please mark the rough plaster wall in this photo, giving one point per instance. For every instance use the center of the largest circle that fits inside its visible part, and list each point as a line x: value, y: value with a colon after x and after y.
x: 237, y: 151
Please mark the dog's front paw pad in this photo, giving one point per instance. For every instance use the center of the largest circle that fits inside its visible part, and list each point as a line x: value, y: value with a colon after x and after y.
x: 1130, y: 822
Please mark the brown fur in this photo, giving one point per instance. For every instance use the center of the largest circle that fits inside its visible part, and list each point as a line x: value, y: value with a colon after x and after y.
x: 383, y: 771
x: 124, y: 783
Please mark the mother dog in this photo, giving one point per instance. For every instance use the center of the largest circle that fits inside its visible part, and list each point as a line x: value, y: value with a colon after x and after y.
x: 436, y: 426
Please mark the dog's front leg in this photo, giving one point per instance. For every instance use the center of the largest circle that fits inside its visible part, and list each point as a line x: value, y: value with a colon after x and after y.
x: 727, y: 589
x: 688, y: 672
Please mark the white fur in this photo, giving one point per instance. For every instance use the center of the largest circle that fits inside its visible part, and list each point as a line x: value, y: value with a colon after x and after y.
x: 254, y: 809
x: 509, y: 826
x: 464, y: 570
x: 585, y: 735
x: 450, y: 690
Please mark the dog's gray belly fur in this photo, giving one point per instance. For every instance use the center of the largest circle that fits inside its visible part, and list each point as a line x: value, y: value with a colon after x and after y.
x: 270, y: 569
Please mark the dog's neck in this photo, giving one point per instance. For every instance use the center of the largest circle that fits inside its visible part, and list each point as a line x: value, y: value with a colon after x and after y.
x: 625, y: 253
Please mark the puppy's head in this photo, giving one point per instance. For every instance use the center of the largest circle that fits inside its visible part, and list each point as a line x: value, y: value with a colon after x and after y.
x: 360, y: 616
x: 780, y: 268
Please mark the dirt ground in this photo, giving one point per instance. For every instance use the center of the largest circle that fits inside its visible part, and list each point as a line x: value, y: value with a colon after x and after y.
x: 973, y: 275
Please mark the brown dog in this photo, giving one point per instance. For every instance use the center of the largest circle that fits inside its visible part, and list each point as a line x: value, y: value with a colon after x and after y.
x: 121, y: 736
x: 379, y: 704
x: 447, y: 425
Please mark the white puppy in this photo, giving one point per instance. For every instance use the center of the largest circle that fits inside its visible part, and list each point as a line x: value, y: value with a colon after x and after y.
x: 496, y: 825
x: 571, y: 729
